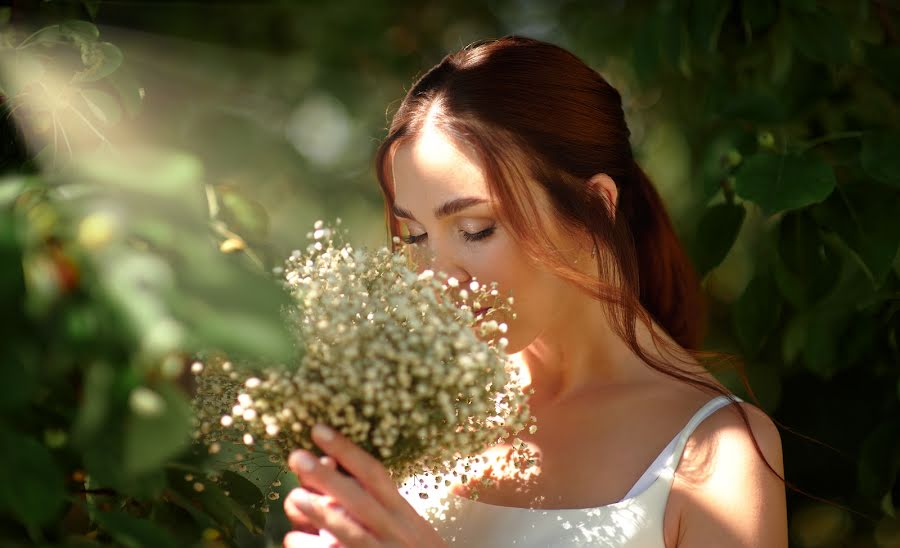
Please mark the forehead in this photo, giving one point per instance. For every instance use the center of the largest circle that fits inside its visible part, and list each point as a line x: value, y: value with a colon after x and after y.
x: 432, y: 168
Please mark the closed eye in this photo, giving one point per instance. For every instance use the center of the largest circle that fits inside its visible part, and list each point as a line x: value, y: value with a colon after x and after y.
x: 467, y: 236
x: 478, y: 235
x: 411, y: 239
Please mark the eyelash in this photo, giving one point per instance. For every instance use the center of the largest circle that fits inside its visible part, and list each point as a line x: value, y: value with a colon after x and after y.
x: 468, y: 237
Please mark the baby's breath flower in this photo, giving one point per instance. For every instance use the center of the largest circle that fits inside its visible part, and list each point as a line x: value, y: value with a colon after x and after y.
x: 395, y: 360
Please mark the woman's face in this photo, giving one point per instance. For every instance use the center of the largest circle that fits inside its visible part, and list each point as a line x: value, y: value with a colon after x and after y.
x: 442, y: 201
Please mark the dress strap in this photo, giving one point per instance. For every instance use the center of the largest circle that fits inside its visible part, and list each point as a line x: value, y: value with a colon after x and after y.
x: 708, y: 409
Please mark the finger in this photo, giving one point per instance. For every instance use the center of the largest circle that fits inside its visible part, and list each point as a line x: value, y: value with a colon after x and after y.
x: 296, y: 539
x: 345, y: 491
x: 362, y: 466
x: 298, y: 519
x: 328, y: 461
x: 331, y: 517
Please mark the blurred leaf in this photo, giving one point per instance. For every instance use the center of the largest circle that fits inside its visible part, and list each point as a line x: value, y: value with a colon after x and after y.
x: 758, y: 106
x: 882, y: 63
x: 101, y: 60
x: 80, y: 30
x: 716, y: 232
x: 91, y: 6
x: 759, y: 14
x: 211, y: 499
x: 805, y: 267
x: 20, y: 69
x: 32, y: 488
x: 168, y: 174
x: 865, y: 216
x: 97, y: 395
x: 794, y: 338
x: 756, y: 313
x: 152, y: 438
x: 705, y: 21
x: 825, y: 331
x: 821, y: 36
x: 714, y: 166
x: 880, y: 158
x: 645, y: 50
x: 128, y: 89
x: 784, y: 182
x: 133, y: 532
x: 879, y: 458
x: 102, y: 105
x: 248, y: 496
x: 248, y: 215
x: 18, y: 370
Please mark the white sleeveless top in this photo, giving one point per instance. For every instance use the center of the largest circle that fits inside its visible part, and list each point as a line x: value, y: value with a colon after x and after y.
x: 636, y: 521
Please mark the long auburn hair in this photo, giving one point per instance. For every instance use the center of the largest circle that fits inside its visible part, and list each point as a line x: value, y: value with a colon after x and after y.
x: 531, y: 110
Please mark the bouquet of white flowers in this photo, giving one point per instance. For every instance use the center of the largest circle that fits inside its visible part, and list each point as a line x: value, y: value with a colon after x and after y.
x: 409, y: 366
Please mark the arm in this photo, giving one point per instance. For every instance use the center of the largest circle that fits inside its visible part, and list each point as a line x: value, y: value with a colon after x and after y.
x: 732, y: 499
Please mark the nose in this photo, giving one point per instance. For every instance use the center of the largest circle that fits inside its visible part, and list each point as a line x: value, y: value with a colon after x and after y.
x: 440, y: 260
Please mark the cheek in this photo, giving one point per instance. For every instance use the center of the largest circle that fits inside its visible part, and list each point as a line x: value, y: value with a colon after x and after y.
x: 537, y: 293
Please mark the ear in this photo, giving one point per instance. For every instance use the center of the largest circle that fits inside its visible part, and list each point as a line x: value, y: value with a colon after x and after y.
x: 607, y: 188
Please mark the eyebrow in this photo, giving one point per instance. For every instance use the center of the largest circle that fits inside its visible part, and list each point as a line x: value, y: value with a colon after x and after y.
x: 446, y: 209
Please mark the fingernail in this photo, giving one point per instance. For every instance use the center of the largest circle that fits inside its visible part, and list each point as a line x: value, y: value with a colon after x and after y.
x: 323, y: 432
x: 303, y: 460
x: 301, y: 498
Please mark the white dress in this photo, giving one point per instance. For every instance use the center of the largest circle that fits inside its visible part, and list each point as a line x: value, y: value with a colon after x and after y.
x: 636, y: 521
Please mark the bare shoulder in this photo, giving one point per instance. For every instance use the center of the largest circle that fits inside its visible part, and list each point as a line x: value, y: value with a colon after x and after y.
x: 724, y: 493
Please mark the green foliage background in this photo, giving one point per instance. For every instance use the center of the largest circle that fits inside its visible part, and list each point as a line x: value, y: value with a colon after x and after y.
x: 156, y: 169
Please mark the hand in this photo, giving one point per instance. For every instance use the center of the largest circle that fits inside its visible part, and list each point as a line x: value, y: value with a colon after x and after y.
x: 364, y: 509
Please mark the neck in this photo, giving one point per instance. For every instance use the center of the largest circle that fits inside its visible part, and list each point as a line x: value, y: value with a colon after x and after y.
x: 581, y: 352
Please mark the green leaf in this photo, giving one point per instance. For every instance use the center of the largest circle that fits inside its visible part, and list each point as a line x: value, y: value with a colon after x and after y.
x: 32, y: 487
x: 756, y: 313
x: 822, y: 37
x: 74, y: 30
x: 82, y: 30
x: 714, y: 167
x: 880, y: 158
x: 153, y: 438
x: 716, y: 232
x: 101, y: 59
x: 864, y: 215
x: 134, y: 532
x: 794, y: 338
x: 247, y: 496
x: 825, y: 328
x: 784, y: 182
x: 213, y: 501
x: 806, y: 268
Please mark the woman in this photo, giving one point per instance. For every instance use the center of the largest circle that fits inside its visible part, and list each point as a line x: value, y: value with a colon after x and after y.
x: 509, y: 161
